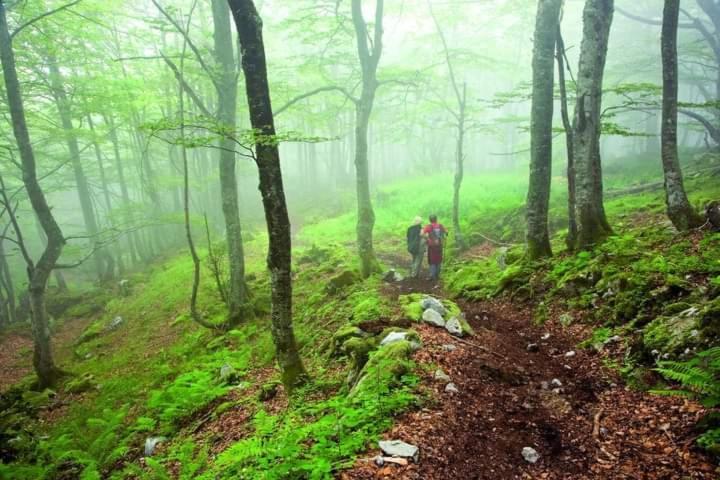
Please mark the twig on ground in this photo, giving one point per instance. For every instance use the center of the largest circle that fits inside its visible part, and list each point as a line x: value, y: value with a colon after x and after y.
x: 596, y: 424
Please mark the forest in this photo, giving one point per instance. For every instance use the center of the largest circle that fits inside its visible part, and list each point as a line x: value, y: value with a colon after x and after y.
x: 359, y: 239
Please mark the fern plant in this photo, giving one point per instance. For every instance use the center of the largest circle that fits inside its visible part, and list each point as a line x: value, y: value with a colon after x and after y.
x: 700, y: 378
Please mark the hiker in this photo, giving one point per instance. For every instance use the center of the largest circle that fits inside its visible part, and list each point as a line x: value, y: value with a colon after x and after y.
x: 435, y: 234
x: 415, y: 246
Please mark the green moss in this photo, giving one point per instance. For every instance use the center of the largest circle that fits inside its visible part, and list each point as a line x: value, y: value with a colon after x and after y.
x: 410, y: 305
x: 386, y: 365
x: 670, y: 334
x: 341, y: 336
x: 81, y: 384
x: 91, y: 332
x: 342, y: 281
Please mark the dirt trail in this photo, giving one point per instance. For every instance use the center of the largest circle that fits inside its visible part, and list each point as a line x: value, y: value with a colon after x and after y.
x: 585, y: 426
x: 16, y: 349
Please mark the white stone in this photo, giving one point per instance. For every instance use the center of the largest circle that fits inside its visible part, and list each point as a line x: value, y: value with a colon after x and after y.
x: 556, y: 383
x: 394, y: 337
x: 453, y: 326
x: 441, y: 375
x: 570, y: 354
x: 434, y: 304
x: 451, y: 388
x: 530, y: 455
x: 433, y: 318
x: 398, y: 448
x: 151, y: 443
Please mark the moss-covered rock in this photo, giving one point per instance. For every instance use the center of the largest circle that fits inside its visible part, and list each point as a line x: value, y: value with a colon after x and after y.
x: 342, y: 335
x: 358, y: 351
x: 341, y: 281
x: 81, y: 384
x: 268, y: 391
x: 38, y: 399
x: 672, y: 334
x: 91, y: 332
x: 412, y: 309
x: 385, y: 365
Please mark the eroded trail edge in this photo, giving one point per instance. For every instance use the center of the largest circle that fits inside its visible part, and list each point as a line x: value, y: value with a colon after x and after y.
x: 530, y: 386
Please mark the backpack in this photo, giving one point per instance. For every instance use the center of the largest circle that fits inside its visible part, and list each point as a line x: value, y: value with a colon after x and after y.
x: 435, y: 237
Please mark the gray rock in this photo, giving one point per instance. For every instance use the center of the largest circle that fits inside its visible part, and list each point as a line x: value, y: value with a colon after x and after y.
x: 545, y: 336
x: 556, y: 383
x: 442, y: 376
x: 502, y: 258
x: 530, y: 455
x: 451, y: 388
x: 434, y: 304
x: 379, y: 460
x: 151, y: 443
x: 392, y: 276
x: 433, y: 318
x: 449, y: 347
x: 393, y: 337
x: 453, y: 326
x: 569, y: 354
x: 124, y: 285
x: 228, y: 374
x: 532, y: 347
x: 115, y: 323
x: 398, y: 448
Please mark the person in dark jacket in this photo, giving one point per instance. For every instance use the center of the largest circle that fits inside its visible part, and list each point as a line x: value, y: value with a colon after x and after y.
x: 416, y: 246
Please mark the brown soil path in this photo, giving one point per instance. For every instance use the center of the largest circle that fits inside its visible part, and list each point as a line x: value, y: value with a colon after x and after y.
x: 588, y: 427
x: 16, y: 349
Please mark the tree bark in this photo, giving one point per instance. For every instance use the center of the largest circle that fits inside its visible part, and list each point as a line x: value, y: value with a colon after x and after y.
x: 363, y: 109
x: 459, y: 169
x: 7, y: 284
x: 39, y: 272
x: 110, y: 260
x: 571, y: 239
x: 267, y: 158
x: 227, y: 105
x: 62, y: 103
x: 124, y: 192
x: 681, y: 213
x: 541, y: 117
x: 593, y: 226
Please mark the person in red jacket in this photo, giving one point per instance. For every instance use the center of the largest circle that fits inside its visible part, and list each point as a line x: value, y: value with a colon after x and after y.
x: 435, y: 234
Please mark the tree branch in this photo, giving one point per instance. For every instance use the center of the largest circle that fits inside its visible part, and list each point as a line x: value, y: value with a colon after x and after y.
x: 188, y: 89
x: 329, y: 88
x: 40, y: 17
x: 190, y: 44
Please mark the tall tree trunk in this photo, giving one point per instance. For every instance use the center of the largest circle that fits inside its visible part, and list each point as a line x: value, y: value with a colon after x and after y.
x: 679, y: 209
x: 81, y: 183
x: 541, y: 117
x: 227, y: 106
x: 363, y: 109
x: 460, y: 117
x: 249, y: 27
x: 459, y: 170
x: 593, y: 226
x: 110, y: 262
x: 7, y: 284
x: 38, y: 273
x: 124, y: 192
x: 571, y: 239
